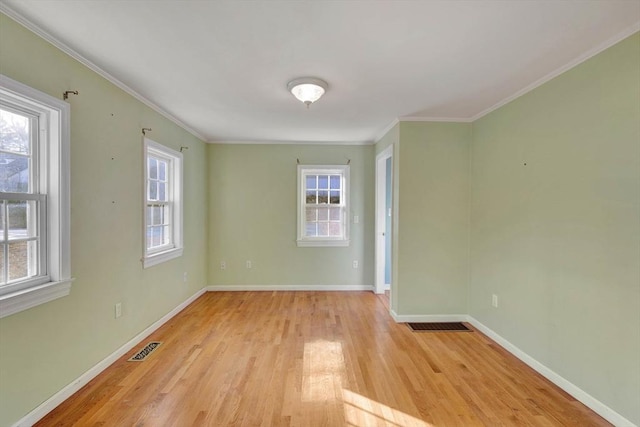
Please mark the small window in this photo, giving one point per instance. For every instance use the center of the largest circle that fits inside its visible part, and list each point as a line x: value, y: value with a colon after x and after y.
x: 34, y: 197
x: 323, y: 213
x: 162, y: 203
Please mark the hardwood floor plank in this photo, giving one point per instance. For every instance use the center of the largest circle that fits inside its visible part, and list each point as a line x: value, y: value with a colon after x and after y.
x: 316, y: 359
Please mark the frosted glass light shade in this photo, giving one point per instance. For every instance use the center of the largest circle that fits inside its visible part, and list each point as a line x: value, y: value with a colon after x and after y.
x: 307, y: 89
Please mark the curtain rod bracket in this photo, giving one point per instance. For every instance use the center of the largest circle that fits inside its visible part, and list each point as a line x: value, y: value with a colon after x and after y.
x: 145, y: 130
x: 183, y: 148
x: 65, y: 94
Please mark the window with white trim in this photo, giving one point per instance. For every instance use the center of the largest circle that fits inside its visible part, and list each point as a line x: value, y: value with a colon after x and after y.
x: 35, y: 265
x: 323, y: 209
x: 162, y: 203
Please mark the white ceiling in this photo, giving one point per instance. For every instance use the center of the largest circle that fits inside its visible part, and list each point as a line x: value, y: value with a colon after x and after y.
x: 221, y: 67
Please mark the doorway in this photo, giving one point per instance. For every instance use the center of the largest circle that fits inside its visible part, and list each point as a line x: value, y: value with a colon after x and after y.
x: 384, y: 198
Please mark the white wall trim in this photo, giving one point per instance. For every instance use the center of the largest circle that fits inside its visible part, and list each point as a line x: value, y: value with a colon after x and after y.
x: 93, y: 67
x: 436, y: 119
x: 386, y: 130
x: 50, y: 404
x: 406, y: 318
x: 276, y: 142
x: 594, y: 404
x: 218, y: 288
x: 575, y: 62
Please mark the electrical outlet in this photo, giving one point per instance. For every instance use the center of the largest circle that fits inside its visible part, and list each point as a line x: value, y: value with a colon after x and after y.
x: 355, y: 263
x: 356, y: 219
x: 223, y: 265
x: 118, y: 309
x: 494, y: 301
x: 248, y: 264
x: 185, y: 277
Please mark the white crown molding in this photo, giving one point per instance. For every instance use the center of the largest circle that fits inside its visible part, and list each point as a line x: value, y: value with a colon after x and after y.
x: 598, y: 407
x: 242, y: 288
x: 436, y: 119
x: 66, y: 392
x: 386, y: 130
x: 571, y: 64
x: 274, y: 142
x: 93, y: 67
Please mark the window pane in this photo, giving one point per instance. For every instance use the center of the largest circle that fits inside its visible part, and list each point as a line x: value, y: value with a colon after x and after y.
x: 153, y: 168
x: 335, y: 198
x: 14, y: 173
x: 14, y: 132
x: 312, y: 182
x: 165, y: 215
x: 166, y: 236
x: 311, y: 197
x: 2, y: 221
x: 18, y: 260
x: 335, y: 229
x: 162, y: 170
x: 162, y: 191
x: 19, y: 215
x: 323, y: 182
x: 153, y: 190
x: 149, y: 237
x: 323, y: 229
x: 310, y: 214
x: 323, y: 214
x: 2, y: 280
x: 334, y: 214
x: 156, y: 236
x: 149, y: 214
x: 323, y: 197
x: 335, y: 182
x: 311, y: 229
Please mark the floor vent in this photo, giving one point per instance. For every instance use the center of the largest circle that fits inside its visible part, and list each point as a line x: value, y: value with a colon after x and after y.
x: 145, y: 352
x: 439, y: 326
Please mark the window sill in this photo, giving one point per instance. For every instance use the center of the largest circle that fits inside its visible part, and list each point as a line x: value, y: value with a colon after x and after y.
x: 161, y: 257
x: 25, y: 299
x: 323, y: 243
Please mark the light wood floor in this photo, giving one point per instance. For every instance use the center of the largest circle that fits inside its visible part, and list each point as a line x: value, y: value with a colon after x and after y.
x: 316, y: 359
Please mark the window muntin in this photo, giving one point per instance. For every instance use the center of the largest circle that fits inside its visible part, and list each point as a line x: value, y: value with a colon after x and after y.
x: 163, y: 203
x: 322, y: 207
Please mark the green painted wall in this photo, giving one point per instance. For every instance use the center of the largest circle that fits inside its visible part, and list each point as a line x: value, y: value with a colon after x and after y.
x: 433, y: 218
x: 45, y: 348
x: 558, y: 239
x: 252, y: 213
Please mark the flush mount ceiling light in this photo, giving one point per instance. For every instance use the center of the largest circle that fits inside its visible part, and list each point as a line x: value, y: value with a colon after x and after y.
x: 307, y: 89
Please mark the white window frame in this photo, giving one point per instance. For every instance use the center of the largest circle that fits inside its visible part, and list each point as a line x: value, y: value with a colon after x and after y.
x: 53, y: 154
x: 323, y: 241
x: 154, y: 256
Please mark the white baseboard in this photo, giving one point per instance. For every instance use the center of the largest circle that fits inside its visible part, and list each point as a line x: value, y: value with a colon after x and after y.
x: 413, y: 318
x: 50, y: 404
x: 217, y: 288
x: 594, y: 404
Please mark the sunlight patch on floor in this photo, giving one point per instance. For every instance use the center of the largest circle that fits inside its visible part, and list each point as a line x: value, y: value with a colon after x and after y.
x: 360, y: 411
x: 322, y: 371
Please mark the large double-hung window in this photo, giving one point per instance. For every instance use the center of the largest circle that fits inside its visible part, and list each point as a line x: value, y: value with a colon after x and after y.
x: 34, y: 197
x: 163, y: 203
x: 323, y: 210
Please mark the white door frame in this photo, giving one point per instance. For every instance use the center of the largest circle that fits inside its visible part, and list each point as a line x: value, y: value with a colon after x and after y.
x: 381, y: 212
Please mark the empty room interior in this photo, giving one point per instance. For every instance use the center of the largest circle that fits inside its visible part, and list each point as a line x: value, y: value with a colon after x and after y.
x: 274, y: 190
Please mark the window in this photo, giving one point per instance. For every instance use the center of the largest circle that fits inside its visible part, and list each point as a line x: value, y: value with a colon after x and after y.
x: 35, y: 262
x: 323, y: 210
x: 162, y: 203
